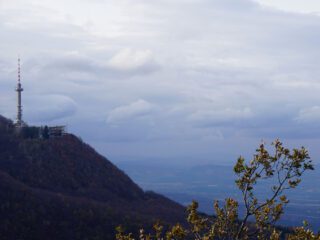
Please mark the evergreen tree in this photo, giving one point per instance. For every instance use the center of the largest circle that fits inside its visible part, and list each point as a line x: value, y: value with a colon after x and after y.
x: 45, y: 132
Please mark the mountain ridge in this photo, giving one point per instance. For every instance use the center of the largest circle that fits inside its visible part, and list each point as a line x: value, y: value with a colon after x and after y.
x: 64, y: 186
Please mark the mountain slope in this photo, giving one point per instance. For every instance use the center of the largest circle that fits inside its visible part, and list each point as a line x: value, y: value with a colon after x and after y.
x: 61, y: 188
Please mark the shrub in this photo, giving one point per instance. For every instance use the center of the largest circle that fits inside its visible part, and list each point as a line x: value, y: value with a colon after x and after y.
x: 283, y: 167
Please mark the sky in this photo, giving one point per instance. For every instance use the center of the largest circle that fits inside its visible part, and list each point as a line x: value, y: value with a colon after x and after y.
x: 166, y: 81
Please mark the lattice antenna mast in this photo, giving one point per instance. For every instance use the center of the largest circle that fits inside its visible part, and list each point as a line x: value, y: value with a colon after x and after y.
x: 19, y: 90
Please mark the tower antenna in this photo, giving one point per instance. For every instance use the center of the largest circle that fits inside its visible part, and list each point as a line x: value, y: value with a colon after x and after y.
x: 19, y: 90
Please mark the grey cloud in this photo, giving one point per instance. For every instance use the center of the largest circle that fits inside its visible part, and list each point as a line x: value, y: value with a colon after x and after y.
x: 131, y: 111
x: 204, y: 70
x: 309, y: 115
x: 82, y: 67
x: 133, y: 60
x: 48, y: 108
x: 214, y: 118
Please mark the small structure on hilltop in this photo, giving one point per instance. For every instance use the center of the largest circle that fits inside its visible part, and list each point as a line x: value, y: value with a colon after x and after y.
x: 54, y: 131
x: 57, y: 131
x: 44, y: 132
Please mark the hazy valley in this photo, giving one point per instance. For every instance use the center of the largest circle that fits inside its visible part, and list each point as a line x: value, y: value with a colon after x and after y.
x: 206, y: 183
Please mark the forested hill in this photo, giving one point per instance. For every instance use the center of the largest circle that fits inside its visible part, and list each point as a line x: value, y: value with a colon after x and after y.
x: 61, y: 188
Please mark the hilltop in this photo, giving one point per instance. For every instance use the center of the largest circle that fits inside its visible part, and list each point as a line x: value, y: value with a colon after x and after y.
x: 61, y: 188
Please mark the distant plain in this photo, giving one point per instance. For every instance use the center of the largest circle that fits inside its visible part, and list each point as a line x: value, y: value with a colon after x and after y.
x: 206, y: 183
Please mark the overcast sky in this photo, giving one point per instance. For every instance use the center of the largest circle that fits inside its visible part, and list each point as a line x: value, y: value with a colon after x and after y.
x: 179, y: 81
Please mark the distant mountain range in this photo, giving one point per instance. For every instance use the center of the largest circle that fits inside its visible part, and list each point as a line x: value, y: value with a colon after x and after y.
x: 61, y: 188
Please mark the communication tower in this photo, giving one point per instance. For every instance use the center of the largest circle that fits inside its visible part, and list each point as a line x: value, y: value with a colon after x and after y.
x: 19, y: 90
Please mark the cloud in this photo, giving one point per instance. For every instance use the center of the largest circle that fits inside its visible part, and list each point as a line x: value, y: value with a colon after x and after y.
x: 132, y: 60
x: 309, y: 115
x: 48, y: 108
x: 137, y: 109
x: 79, y: 68
x: 307, y: 6
x: 216, y: 118
x: 172, y: 75
x: 71, y: 64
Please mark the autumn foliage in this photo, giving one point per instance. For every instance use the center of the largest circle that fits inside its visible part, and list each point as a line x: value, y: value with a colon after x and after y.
x: 283, y: 167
